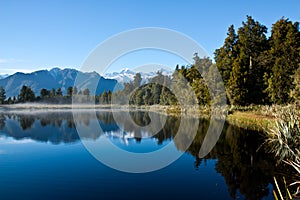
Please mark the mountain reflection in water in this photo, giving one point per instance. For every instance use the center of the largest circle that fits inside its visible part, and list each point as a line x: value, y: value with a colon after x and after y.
x: 246, y: 171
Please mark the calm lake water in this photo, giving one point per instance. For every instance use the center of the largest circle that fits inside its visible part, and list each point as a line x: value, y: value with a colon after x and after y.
x: 42, y: 157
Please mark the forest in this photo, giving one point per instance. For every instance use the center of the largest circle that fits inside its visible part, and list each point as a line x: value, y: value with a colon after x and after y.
x: 255, y: 70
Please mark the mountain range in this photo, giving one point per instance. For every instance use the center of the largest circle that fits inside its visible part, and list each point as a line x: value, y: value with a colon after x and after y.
x: 57, y: 78
x: 63, y: 78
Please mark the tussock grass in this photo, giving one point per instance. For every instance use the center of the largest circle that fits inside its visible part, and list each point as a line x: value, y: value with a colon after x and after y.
x: 283, y: 137
x: 283, y: 141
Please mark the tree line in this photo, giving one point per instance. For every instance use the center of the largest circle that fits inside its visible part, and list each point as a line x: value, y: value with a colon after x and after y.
x: 26, y: 95
x: 255, y: 69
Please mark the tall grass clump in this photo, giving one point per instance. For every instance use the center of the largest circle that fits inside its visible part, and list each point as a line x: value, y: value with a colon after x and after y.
x: 283, y: 140
x: 283, y: 137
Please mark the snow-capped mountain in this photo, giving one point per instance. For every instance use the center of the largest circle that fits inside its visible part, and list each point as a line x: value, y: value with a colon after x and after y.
x: 126, y: 75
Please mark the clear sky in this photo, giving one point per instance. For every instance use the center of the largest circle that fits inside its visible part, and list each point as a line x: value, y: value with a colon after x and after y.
x: 43, y: 34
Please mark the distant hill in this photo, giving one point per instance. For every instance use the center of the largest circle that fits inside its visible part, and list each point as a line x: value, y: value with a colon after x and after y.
x: 57, y: 78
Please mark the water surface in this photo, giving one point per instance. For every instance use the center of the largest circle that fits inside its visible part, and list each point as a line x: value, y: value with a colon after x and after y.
x: 42, y: 157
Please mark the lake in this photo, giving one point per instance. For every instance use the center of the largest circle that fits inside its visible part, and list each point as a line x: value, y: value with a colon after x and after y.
x: 43, y: 157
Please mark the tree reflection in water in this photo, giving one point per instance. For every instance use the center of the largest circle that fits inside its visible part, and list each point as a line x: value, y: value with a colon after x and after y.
x: 243, y: 167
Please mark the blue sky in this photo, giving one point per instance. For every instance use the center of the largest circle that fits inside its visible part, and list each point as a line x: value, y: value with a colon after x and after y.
x: 44, y: 34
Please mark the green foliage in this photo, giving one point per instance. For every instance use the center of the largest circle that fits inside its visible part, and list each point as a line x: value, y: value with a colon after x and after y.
x: 70, y: 91
x: 104, y: 98
x: 186, y: 87
x: 151, y: 94
x: 26, y: 94
x: 226, y: 55
x: 193, y: 80
x: 246, y: 85
x: 283, y: 139
x: 53, y: 92
x: 45, y: 93
x: 257, y: 70
x: 137, y: 80
x: 295, y: 94
x: 59, y: 92
x: 283, y: 59
x: 2, y: 95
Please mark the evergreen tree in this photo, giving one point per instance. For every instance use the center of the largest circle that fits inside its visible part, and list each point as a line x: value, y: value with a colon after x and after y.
x: 246, y: 82
x: 9, y: 100
x: 182, y: 88
x: 70, y: 91
x: 109, y: 95
x: 104, y: 98
x: 226, y: 55
x: 53, y: 92
x: 2, y: 95
x: 26, y: 94
x: 44, y: 93
x: 295, y: 94
x: 197, y: 75
x: 283, y: 60
x: 156, y: 88
x: 59, y: 92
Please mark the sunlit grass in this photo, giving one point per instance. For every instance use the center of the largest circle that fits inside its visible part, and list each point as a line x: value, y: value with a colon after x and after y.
x: 283, y: 141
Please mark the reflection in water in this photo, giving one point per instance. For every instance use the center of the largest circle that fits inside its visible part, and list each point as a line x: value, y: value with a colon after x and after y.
x: 245, y: 170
